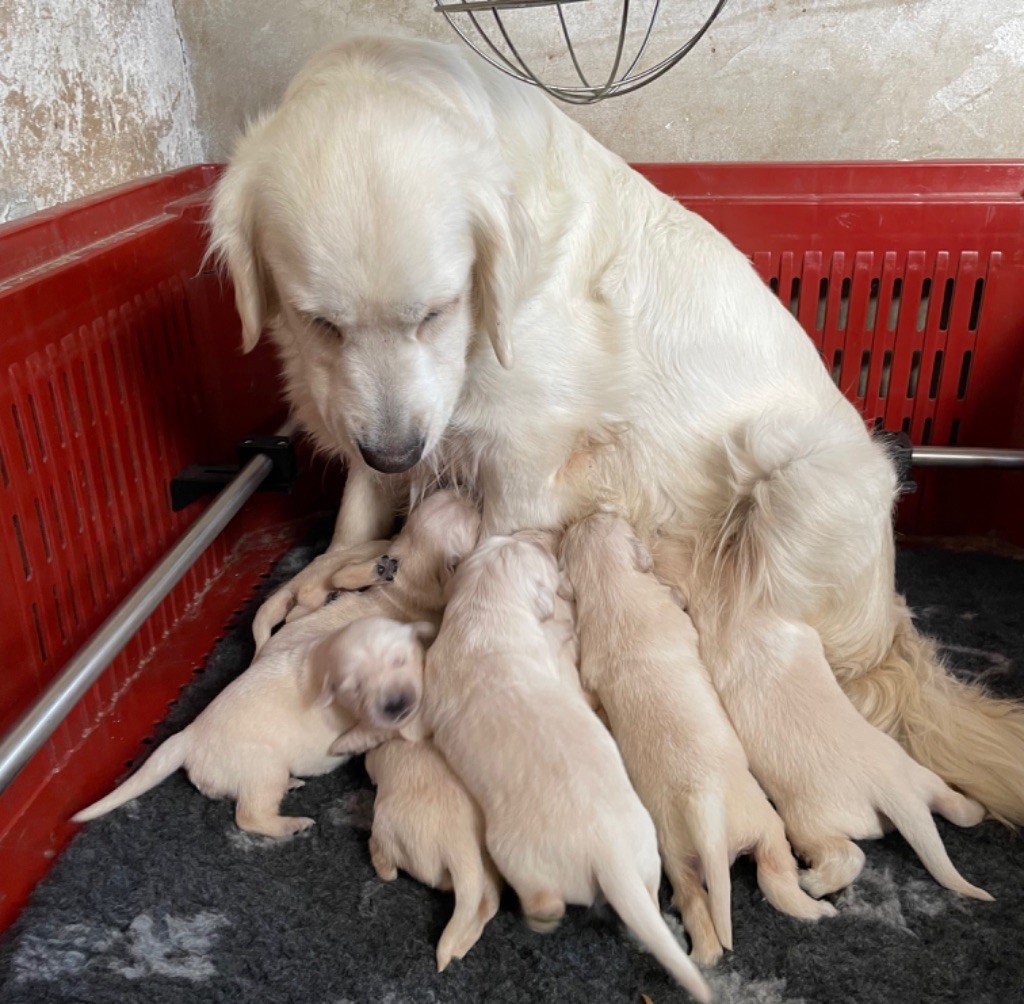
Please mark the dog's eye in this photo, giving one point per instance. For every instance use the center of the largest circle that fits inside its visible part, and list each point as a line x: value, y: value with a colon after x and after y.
x: 329, y: 328
x: 432, y: 316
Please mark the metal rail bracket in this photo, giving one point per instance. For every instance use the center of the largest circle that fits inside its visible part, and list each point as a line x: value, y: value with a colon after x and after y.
x: 199, y: 480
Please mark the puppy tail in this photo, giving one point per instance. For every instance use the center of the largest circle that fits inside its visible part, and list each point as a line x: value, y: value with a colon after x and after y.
x: 769, y: 546
x: 164, y: 762
x: 624, y: 889
x: 710, y: 831
x: 913, y: 819
x: 475, y: 905
x: 972, y: 741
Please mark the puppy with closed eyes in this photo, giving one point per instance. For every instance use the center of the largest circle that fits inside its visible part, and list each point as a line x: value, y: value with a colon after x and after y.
x: 276, y: 721
x: 833, y: 777
x: 427, y: 824
x: 562, y: 822
x: 638, y: 654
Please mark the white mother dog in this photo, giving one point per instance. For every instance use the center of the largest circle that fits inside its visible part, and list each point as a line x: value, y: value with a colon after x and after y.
x: 458, y: 278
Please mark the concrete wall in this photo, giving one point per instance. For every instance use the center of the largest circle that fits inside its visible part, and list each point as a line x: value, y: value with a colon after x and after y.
x: 94, y: 92
x: 773, y: 79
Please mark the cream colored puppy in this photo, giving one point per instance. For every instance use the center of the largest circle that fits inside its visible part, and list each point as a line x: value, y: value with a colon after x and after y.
x: 273, y: 723
x: 427, y: 824
x: 833, y: 777
x: 562, y: 823
x: 639, y: 656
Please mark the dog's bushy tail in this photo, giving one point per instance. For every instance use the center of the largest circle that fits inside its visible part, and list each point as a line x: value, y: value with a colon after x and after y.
x: 476, y: 902
x: 973, y: 741
x: 624, y: 889
x: 710, y: 831
x: 164, y: 762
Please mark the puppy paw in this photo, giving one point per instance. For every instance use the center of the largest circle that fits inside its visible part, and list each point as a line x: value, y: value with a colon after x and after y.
x: 383, y: 863
x: 543, y: 912
x: 295, y: 783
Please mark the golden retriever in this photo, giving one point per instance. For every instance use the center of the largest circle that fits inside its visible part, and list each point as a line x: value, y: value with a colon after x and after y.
x: 459, y: 280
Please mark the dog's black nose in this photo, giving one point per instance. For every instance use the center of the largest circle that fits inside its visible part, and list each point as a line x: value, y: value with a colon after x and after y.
x: 391, y: 459
x: 398, y: 706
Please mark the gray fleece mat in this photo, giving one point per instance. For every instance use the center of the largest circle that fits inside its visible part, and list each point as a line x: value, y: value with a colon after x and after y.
x: 165, y: 901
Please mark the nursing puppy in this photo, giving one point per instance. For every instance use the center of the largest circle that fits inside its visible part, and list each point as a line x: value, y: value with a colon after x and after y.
x: 639, y: 656
x: 562, y: 823
x: 833, y: 777
x: 373, y: 668
x: 427, y: 824
x: 274, y: 722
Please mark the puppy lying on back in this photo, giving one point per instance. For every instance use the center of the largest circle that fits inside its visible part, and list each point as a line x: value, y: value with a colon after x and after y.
x: 427, y: 824
x: 276, y: 721
x: 831, y: 774
x: 562, y: 822
x: 639, y: 655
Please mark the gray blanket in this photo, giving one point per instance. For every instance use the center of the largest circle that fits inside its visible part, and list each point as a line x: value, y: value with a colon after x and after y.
x: 166, y: 901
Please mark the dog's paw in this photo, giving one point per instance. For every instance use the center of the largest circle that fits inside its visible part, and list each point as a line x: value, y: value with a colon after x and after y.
x: 308, y: 591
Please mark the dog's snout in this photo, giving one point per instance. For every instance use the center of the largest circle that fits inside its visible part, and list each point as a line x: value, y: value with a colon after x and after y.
x: 398, y: 706
x: 392, y: 458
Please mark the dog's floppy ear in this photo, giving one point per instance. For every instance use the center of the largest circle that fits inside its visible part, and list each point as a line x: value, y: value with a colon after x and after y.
x: 233, y: 244
x: 641, y: 556
x: 505, y: 240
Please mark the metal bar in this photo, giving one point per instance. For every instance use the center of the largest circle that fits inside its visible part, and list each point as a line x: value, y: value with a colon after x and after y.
x: 965, y: 456
x: 52, y: 707
x: 475, y: 5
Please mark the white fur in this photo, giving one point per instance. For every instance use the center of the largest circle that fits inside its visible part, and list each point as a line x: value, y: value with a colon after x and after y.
x: 562, y: 823
x: 597, y: 342
x: 639, y: 655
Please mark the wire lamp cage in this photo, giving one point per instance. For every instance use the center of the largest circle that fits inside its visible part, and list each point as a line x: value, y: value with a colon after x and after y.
x: 487, y: 27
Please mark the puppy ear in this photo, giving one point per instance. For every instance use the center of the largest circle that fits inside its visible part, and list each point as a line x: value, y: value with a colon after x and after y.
x: 543, y: 599
x: 448, y: 567
x: 641, y: 556
x: 505, y: 241
x: 233, y: 244
x: 326, y: 696
x: 424, y: 631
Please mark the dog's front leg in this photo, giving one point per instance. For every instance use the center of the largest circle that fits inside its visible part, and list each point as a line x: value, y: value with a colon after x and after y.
x: 368, y: 507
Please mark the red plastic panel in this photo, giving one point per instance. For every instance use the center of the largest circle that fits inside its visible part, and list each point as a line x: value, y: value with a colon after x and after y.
x: 909, y: 278
x: 119, y: 365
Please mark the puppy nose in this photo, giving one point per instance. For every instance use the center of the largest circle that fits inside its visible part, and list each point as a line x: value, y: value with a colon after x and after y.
x: 397, y: 706
x: 392, y: 458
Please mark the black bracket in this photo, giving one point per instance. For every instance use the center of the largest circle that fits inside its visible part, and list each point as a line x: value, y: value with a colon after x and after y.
x: 901, y: 451
x: 199, y: 480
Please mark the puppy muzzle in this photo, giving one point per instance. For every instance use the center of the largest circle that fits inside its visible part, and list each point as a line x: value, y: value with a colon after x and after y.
x: 397, y: 707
